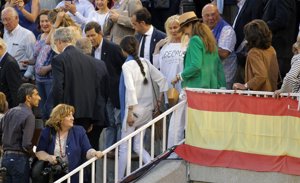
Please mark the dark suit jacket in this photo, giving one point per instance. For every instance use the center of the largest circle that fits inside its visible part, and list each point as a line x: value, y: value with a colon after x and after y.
x: 113, y: 58
x: 10, y: 79
x: 280, y: 16
x: 157, y: 35
x: 102, y: 90
x: 75, y: 81
x: 252, y: 9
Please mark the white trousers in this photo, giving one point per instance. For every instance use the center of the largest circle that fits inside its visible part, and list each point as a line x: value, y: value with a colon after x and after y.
x: 177, y: 126
x: 123, y: 149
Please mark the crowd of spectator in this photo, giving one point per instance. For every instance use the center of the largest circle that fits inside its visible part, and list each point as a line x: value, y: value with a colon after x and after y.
x: 101, y: 64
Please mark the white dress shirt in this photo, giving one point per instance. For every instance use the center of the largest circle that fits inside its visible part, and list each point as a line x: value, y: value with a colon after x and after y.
x: 240, y: 4
x: 98, y: 51
x: 20, y: 44
x: 147, y: 43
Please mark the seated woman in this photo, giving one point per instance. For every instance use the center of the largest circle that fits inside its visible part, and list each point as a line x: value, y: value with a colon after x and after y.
x: 291, y: 82
x: 136, y: 97
x: 262, y: 70
x: 60, y: 138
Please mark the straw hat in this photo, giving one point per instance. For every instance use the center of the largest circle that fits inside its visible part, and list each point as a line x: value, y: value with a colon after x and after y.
x: 187, y: 17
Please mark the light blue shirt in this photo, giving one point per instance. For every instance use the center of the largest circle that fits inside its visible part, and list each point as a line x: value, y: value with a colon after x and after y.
x: 84, y: 7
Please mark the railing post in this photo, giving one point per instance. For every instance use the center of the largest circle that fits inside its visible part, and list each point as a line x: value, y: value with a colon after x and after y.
x: 129, y: 149
x: 152, y: 140
x: 116, y: 164
x: 93, y: 172
x: 80, y: 176
x: 141, y: 149
x: 164, y: 137
x: 104, y: 168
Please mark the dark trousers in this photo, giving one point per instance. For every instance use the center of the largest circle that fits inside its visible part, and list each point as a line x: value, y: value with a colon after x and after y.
x: 94, y: 136
x: 17, y: 168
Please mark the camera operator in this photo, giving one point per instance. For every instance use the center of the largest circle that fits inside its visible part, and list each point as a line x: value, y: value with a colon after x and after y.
x: 60, y: 138
x: 18, y: 126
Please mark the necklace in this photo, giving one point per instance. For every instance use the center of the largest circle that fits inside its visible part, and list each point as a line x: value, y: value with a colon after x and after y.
x: 60, y: 148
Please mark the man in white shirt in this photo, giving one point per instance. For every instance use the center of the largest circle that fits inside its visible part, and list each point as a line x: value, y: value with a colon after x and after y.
x: 148, y: 35
x: 226, y: 40
x: 20, y: 41
x: 75, y: 7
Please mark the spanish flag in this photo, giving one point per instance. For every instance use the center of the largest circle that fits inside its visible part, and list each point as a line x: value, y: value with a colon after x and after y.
x: 242, y: 132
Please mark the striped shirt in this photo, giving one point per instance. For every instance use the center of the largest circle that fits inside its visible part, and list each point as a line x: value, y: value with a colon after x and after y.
x: 291, y: 81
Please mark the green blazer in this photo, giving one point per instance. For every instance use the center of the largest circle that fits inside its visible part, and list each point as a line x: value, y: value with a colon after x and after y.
x: 202, y: 69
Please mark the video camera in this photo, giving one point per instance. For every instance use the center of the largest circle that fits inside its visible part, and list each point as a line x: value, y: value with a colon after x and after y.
x: 60, y: 168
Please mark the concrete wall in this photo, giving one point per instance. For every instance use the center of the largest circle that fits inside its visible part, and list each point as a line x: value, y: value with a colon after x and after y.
x: 228, y: 175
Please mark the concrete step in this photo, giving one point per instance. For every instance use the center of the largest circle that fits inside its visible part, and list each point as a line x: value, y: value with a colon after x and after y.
x: 228, y: 175
x: 167, y: 171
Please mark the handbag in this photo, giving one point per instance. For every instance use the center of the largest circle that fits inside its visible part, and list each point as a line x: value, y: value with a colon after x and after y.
x: 156, y: 112
x: 173, y: 96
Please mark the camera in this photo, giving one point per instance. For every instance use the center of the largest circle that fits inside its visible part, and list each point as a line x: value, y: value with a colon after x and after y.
x: 60, y: 168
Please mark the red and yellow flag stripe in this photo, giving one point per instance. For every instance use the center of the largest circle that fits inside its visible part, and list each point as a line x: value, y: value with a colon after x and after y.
x: 246, y: 132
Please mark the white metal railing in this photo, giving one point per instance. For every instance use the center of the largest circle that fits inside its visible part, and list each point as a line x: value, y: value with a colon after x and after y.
x: 115, y: 147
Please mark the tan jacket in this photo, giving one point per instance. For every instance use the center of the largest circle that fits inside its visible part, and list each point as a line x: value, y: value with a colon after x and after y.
x: 123, y: 26
x: 262, y: 69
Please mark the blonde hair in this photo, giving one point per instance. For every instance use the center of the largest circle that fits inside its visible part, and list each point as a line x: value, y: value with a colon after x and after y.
x: 296, y: 46
x: 204, y: 32
x: 169, y: 21
x: 66, y: 21
x: 3, y: 103
x: 58, y: 114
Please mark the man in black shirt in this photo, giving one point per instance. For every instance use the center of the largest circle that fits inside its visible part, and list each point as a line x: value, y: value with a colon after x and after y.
x: 18, y: 126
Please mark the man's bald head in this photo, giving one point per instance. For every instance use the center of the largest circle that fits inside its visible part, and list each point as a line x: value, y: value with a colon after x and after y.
x: 210, y: 15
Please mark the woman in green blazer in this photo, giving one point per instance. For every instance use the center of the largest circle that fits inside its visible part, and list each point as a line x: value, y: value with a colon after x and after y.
x: 202, y: 65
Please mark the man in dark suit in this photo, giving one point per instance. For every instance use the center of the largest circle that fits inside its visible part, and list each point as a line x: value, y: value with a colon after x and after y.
x: 147, y: 35
x: 113, y: 58
x: 248, y: 11
x: 100, y: 117
x: 280, y: 15
x: 75, y: 80
x: 10, y: 78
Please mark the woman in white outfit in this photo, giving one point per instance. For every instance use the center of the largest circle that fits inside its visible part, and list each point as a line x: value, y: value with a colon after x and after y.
x: 169, y: 52
x: 168, y: 57
x: 136, y: 97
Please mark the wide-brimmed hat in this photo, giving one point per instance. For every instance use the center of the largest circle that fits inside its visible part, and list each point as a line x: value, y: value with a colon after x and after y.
x: 187, y: 17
